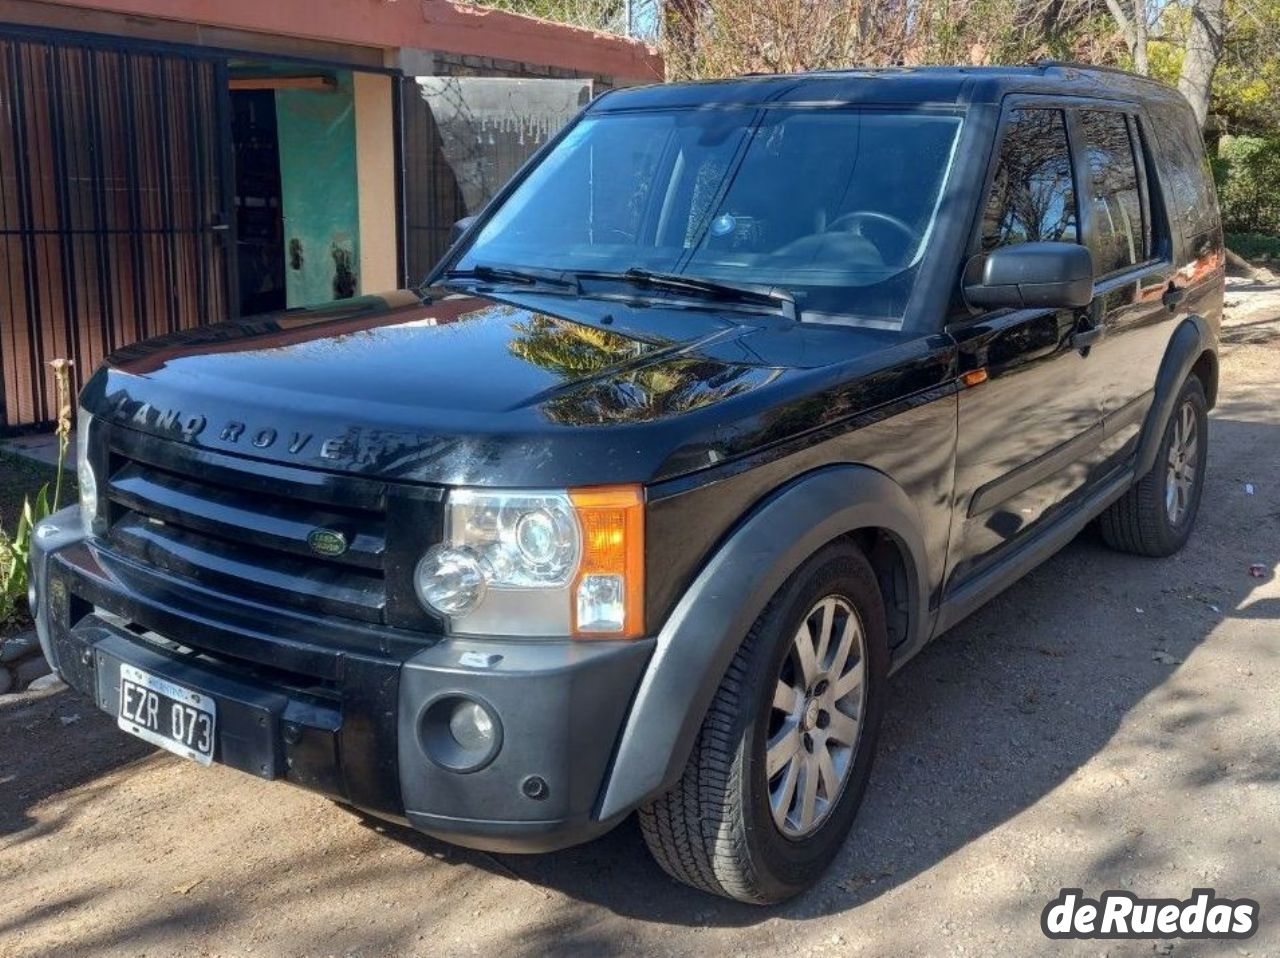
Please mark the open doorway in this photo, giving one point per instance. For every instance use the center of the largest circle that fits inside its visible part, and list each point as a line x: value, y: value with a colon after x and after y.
x: 259, y: 204
x: 297, y: 197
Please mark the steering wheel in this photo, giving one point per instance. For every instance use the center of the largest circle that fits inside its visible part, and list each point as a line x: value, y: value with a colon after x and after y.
x: 852, y: 222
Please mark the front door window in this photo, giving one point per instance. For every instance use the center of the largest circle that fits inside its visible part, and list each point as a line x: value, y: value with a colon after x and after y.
x: 1032, y: 197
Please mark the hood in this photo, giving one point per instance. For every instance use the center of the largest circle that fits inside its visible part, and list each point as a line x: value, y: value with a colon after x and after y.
x: 524, y: 390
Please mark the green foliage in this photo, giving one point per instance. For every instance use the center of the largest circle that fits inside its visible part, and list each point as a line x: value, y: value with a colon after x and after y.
x: 609, y: 16
x: 713, y: 38
x: 15, y: 550
x: 15, y: 553
x: 1255, y: 247
x: 1247, y: 170
x: 1246, y: 87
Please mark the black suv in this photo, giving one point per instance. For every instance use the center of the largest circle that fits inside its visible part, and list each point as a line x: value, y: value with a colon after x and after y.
x: 732, y: 399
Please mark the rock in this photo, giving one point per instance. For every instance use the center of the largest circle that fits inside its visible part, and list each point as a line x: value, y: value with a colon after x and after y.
x: 49, y: 681
x: 18, y: 646
x: 6, y: 680
x: 28, y: 670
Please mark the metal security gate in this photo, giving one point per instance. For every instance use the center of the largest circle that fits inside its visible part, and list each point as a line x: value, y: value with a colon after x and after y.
x: 433, y: 199
x: 113, y: 206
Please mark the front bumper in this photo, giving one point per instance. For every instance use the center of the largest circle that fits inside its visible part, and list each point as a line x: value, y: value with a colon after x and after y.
x: 338, y: 707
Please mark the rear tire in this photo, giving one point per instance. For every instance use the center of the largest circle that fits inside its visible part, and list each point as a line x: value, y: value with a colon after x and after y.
x: 1156, y: 516
x: 728, y: 826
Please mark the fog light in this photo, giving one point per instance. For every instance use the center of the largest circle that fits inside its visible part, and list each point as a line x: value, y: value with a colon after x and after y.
x: 471, y: 727
x: 460, y: 733
x: 451, y: 581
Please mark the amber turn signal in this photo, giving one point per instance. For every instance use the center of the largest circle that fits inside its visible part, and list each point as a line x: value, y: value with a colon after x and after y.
x: 608, y: 592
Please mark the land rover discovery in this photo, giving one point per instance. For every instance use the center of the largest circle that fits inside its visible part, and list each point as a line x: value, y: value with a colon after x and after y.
x: 734, y: 397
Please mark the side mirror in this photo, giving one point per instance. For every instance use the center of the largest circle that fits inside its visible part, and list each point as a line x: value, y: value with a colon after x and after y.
x: 1031, y: 275
x: 460, y: 227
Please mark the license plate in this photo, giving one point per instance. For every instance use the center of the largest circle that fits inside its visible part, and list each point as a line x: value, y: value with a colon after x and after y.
x: 162, y: 713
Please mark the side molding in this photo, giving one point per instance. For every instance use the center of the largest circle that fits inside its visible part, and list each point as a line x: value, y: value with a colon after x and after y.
x: 702, y: 634
x: 1189, y: 340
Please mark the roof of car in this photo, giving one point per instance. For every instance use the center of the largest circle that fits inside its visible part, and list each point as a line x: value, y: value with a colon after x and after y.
x: 934, y: 85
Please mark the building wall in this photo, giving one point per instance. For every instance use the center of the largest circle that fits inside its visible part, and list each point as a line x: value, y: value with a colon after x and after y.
x: 434, y: 199
x: 444, y: 63
x: 114, y: 161
x: 376, y: 175
x: 158, y: 29
x: 396, y: 24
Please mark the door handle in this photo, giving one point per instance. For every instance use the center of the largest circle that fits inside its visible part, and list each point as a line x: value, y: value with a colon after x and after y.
x: 1085, y: 338
x: 1173, y: 297
x: 220, y: 227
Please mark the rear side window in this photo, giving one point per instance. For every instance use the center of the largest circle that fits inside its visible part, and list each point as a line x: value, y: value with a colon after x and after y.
x: 1032, y: 198
x: 1185, y: 170
x: 1121, y: 236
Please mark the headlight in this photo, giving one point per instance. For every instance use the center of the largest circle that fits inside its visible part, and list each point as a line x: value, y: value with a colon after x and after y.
x: 451, y: 581
x: 539, y: 563
x: 85, y: 478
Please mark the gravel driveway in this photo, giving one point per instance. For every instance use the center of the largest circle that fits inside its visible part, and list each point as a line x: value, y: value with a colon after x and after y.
x: 1110, y: 722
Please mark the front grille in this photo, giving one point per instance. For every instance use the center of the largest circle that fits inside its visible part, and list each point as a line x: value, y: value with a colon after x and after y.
x: 241, y: 526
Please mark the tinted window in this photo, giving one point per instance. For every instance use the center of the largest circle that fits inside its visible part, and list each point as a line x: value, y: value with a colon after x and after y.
x: 1032, y: 198
x: 835, y: 205
x: 1120, y: 237
x: 1185, y: 169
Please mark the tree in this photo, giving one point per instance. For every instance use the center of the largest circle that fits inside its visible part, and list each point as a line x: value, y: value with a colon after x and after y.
x: 730, y: 37
x: 1224, y: 55
x: 1135, y: 30
x: 609, y: 16
x: 1205, y: 41
x: 1246, y: 85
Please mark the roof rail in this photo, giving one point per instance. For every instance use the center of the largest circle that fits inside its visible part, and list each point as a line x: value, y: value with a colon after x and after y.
x: 1046, y: 63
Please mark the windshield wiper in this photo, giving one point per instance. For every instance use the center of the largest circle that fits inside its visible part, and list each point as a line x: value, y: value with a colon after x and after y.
x: 772, y: 296
x: 521, y: 275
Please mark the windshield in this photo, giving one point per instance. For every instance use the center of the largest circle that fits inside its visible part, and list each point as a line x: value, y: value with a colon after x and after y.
x: 835, y: 205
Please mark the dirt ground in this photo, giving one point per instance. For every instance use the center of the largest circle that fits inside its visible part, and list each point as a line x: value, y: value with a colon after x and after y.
x: 1110, y: 722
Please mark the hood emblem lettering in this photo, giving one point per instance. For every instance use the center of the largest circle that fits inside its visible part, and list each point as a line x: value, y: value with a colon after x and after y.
x: 166, y: 420
x: 355, y: 446
x: 263, y: 438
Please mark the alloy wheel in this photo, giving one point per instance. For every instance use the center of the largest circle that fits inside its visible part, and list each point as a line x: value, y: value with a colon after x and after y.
x: 816, y: 717
x: 1181, y: 479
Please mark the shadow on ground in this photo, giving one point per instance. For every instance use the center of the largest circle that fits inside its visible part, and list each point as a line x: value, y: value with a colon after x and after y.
x: 35, y: 761
x: 986, y: 722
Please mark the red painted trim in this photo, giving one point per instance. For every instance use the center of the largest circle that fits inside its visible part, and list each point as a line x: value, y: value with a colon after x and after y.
x: 442, y: 25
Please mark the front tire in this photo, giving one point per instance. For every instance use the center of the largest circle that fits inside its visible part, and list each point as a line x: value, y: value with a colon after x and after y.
x: 1155, y: 517
x: 782, y: 760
